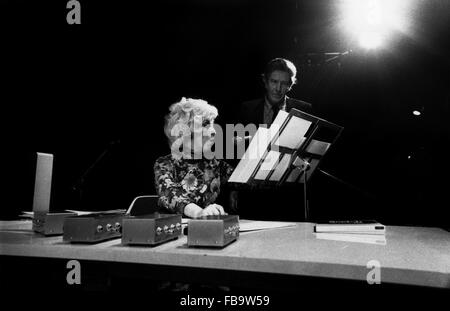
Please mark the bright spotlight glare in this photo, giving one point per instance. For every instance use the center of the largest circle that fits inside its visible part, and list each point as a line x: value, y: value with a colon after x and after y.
x: 416, y: 113
x: 370, y: 40
x: 371, y: 21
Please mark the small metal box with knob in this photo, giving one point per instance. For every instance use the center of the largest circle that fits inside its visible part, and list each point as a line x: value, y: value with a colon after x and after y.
x: 92, y: 228
x: 152, y: 229
x: 213, y: 231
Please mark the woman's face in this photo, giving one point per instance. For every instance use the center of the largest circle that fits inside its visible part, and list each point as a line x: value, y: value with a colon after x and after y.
x: 202, y: 135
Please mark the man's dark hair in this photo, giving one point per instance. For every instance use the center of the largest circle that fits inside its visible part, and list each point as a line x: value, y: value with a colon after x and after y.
x: 281, y: 64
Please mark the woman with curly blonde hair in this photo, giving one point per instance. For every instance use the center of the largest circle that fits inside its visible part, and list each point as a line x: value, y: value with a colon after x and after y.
x: 190, y: 179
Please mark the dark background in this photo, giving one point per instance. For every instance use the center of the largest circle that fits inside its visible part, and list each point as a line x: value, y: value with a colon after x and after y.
x: 78, y: 90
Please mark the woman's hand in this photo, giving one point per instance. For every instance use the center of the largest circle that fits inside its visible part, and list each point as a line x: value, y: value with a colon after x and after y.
x: 213, y: 209
x: 193, y: 210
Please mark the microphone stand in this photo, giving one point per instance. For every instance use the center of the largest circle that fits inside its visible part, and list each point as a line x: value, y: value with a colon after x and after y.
x: 367, y: 194
x: 324, y: 58
x: 304, y: 165
x: 78, y: 185
x: 305, y: 198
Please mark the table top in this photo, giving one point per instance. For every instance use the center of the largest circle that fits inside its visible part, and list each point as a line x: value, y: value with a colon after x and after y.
x: 406, y: 255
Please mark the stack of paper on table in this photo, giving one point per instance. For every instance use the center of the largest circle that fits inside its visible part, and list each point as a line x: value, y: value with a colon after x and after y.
x: 363, y: 231
x: 350, y: 226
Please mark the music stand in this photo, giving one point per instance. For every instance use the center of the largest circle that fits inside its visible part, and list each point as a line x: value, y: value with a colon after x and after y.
x: 286, y: 153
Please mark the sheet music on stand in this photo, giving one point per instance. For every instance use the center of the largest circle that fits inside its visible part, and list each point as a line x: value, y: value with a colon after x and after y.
x: 286, y: 153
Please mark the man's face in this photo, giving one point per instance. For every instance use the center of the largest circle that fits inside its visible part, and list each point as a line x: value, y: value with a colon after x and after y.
x: 277, y: 85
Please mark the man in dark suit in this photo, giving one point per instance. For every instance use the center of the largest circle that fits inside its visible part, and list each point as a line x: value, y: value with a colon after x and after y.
x: 279, y: 77
x: 283, y: 203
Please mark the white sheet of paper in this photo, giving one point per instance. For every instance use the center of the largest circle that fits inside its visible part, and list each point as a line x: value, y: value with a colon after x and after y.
x: 43, y: 182
x: 27, y: 214
x: 318, y: 147
x: 252, y: 156
x: 253, y: 225
x: 293, y: 134
x: 279, y: 120
x: 258, y: 146
x: 112, y: 211
x: 268, y: 164
x: 281, y: 167
x: 294, y: 175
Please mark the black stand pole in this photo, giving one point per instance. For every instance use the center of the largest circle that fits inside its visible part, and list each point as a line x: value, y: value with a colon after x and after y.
x: 304, y: 165
x: 305, y: 196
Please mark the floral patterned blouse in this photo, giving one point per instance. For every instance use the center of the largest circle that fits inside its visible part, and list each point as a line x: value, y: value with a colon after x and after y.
x: 182, y: 181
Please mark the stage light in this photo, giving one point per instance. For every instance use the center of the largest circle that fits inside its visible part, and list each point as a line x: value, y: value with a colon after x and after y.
x: 418, y: 111
x: 370, y: 40
x: 371, y: 22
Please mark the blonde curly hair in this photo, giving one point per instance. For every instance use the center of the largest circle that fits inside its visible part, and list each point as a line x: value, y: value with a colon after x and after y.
x: 182, y: 115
